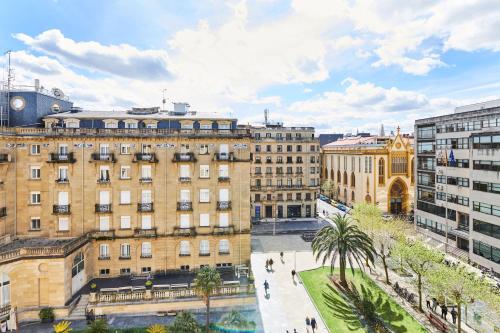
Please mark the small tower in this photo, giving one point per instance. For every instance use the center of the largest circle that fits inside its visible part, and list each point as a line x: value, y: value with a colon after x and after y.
x: 382, y: 131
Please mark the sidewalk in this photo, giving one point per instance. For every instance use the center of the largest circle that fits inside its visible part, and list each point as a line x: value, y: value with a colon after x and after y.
x: 288, y: 304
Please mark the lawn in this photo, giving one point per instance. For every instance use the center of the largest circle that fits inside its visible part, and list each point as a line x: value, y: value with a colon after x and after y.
x: 340, y: 317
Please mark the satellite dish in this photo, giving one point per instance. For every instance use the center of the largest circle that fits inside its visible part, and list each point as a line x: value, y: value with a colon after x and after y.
x: 57, y: 92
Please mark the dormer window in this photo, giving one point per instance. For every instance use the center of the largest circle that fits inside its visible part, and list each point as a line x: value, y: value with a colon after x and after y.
x: 224, y: 126
x: 110, y: 123
x: 131, y: 123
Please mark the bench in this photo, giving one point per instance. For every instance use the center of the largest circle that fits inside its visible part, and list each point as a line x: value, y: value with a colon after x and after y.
x: 436, y: 322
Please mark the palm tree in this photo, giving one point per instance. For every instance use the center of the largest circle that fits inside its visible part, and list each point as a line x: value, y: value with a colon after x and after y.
x: 185, y: 323
x: 207, y: 281
x: 345, y: 241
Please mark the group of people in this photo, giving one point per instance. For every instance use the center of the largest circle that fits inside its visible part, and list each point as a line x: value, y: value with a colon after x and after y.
x: 310, y: 322
x: 269, y: 264
x: 444, y: 309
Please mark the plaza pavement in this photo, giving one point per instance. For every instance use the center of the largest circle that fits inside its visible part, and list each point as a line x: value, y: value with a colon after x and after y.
x: 288, y: 304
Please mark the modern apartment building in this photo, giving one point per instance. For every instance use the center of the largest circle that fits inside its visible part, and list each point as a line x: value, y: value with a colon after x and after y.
x: 285, y: 171
x: 458, y: 181
x: 374, y: 169
x: 103, y: 194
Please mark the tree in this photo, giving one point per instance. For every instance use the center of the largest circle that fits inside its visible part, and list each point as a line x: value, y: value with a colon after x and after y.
x: 419, y: 259
x: 98, y: 326
x: 327, y: 187
x: 207, y: 281
x: 185, y: 323
x: 344, y: 241
x: 461, y: 286
x: 235, y: 321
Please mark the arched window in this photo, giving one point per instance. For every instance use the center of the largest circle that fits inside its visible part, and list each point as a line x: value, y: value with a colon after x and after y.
x: 381, y: 171
x: 332, y: 175
x: 353, y: 179
x: 345, y: 178
x: 352, y: 196
x: 368, y: 198
x: 339, y: 177
x: 78, y: 264
x: 4, y: 290
x: 345, y: 194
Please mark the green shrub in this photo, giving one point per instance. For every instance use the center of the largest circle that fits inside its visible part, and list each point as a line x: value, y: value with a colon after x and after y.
x: 47, y: 315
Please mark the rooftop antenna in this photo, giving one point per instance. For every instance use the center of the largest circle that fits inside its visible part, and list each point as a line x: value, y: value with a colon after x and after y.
x: 266, y: 115
x: 4, y: 114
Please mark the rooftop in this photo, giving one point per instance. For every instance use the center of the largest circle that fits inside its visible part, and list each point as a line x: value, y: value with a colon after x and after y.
x: 374, y: 141
x: 133, y: 114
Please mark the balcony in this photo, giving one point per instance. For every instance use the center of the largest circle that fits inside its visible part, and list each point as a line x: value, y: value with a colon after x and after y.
x: 279, y: 162
x: 269, y: 161
x: 184, y: 157
x: 224, y: 252
x: 146, y: 256
x: 3, y: 212
x: 185, y: 206
x: 103, y: 180
x: 61, y: 209
x: 188, y: 232
x: 223, y: 205
x: 62, y: 180
x: 184, y: 179
x: 61, y: 158
x: 4, y: 312
x: 103, y: 208
x: 100, y: 157
x: 124, y: 257
x: 204, y: 254
x: 145, y: 157
x: 258, y: 161
x: 229, y: 230
x: 145, y: 180
x: 223, y: 156
x: 138, y: 232
x: 224, y: 179
x: 145, y: 207
x: 102, y: 257
x: 103, y: 234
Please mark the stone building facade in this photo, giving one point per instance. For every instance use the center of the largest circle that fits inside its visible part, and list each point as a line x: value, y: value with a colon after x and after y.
x: 108, y: 194
x: 285, y: 171
x: 371, y: 169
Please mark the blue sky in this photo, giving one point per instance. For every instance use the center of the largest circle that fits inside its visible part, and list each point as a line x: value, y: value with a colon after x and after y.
x: 338, y: 65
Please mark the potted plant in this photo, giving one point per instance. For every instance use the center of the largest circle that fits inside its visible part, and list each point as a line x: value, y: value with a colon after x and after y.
x: 148, y: 284
x: 47, y: 315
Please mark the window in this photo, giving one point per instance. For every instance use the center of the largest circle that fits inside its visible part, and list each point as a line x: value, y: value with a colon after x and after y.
x: 486, y: 142
x: 145, y: 270
x: 125, y: 149
x: 204, y: 171
x: 486, y: 228
x: 35, y: 198
x: 146, y: 222
x: 125, y: 250
x: 63, y: 224
x: 110, y: 123
x: 224, y: 171
x: 203, y: 148
x: 104, y: 173
x: 104, y: 223
x: 185, y: 171
x: 298, y: 148
x: 124, y: 222
x: 486, y: 208
x: 257, y: 148
x: 298, y: 196
x: 487, y: 187
x: 35, y: 172
x: 125, y: 197
x: 131, y: 124
x: 35, y: 149
x: 184, y: 248
x: 104, y: 272
x: 103, y: 251
x: 124, y: 271
x: 204, y: 220
x: 185, y: 196
x: 486, y: 251
x: 146, y: 249
x: 125, y: 172
x: 204, y: 195
x: 62, y: 173
x: 146, y: 196
x: 224, y: 220
x: 224, y: 246
x: 381, y: 171
x: 206, y: 126
x: 487, y: 165
x: 204, y: 247
x: 184, y: 221
x: 35, y: 223
x: 146, y: 172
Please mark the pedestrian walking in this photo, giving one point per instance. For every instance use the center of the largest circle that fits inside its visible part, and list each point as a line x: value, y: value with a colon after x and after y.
x: 267, y: 264
x: 444, y: 311
x: 453, y: 315
x: 428, y: 302
x: 282, y: 257
x: 434, y: 304
x: 271, y: 262
x: 308, y: 323
x: 294, y: 330
x: 266, y: 287
x: 313, y: 324
x: 293, y: 275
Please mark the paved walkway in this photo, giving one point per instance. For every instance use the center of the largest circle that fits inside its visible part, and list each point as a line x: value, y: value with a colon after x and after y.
x: 288, y: 304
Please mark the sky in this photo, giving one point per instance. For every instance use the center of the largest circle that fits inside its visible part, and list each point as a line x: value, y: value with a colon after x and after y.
x: 341, y: 66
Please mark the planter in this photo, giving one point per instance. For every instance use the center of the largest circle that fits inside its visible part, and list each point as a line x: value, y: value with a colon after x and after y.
x: 47, y: 320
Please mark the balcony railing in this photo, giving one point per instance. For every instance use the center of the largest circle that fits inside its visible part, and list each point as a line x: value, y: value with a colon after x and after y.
x: 146, y: 180
x: 139, y: 232
x: 104, y: 257
x: 224, y: 179
x: 184, y: 179
x: 62, y: 180
x: 178, y: 231
x: 204, y: 254
x: 223, y: 156
x: 4, y: 311
x: 184, y: 157
x: 229, y: 230
x: 3, y: 212
x: 224, y: 252
x: 103, y: 234
x: 145, y: 207
x: 103, y: 157
x: 145, y: 157
x: 103, y: 180
x: 184, y: 205
x: 61, y: 158
x: 61, y: 209
x: 103, y: 208
x: 223, y: 205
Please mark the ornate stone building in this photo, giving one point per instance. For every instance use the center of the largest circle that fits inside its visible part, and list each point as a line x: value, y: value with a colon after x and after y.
x: 124, y: 193
x: 376, y: 169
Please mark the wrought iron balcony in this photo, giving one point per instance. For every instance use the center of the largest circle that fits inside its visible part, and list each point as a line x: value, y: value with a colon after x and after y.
x: 178, y: 231
x: 139, y: 232
x: 103, y: 208
x: 184, y: 205
x: 204, y: 254
x: 184, y: 179
x: 184, y: 157
x: 62, y: 180
x: 3, y: 212
x: 61, y: 209
x: 103, y: 180
x: 146, y: 255
x: 224, y: 156
x: 229, y: 230
x: 145, y: 157
x: 61, y: 158
x: 146, y: 180
x: 103, y: 234
x: 104, y: 257
x: 223, y: 179
x: 223, y: 205
x: 100, y: 157
x: 145, y: 207
x: 224, y: 252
